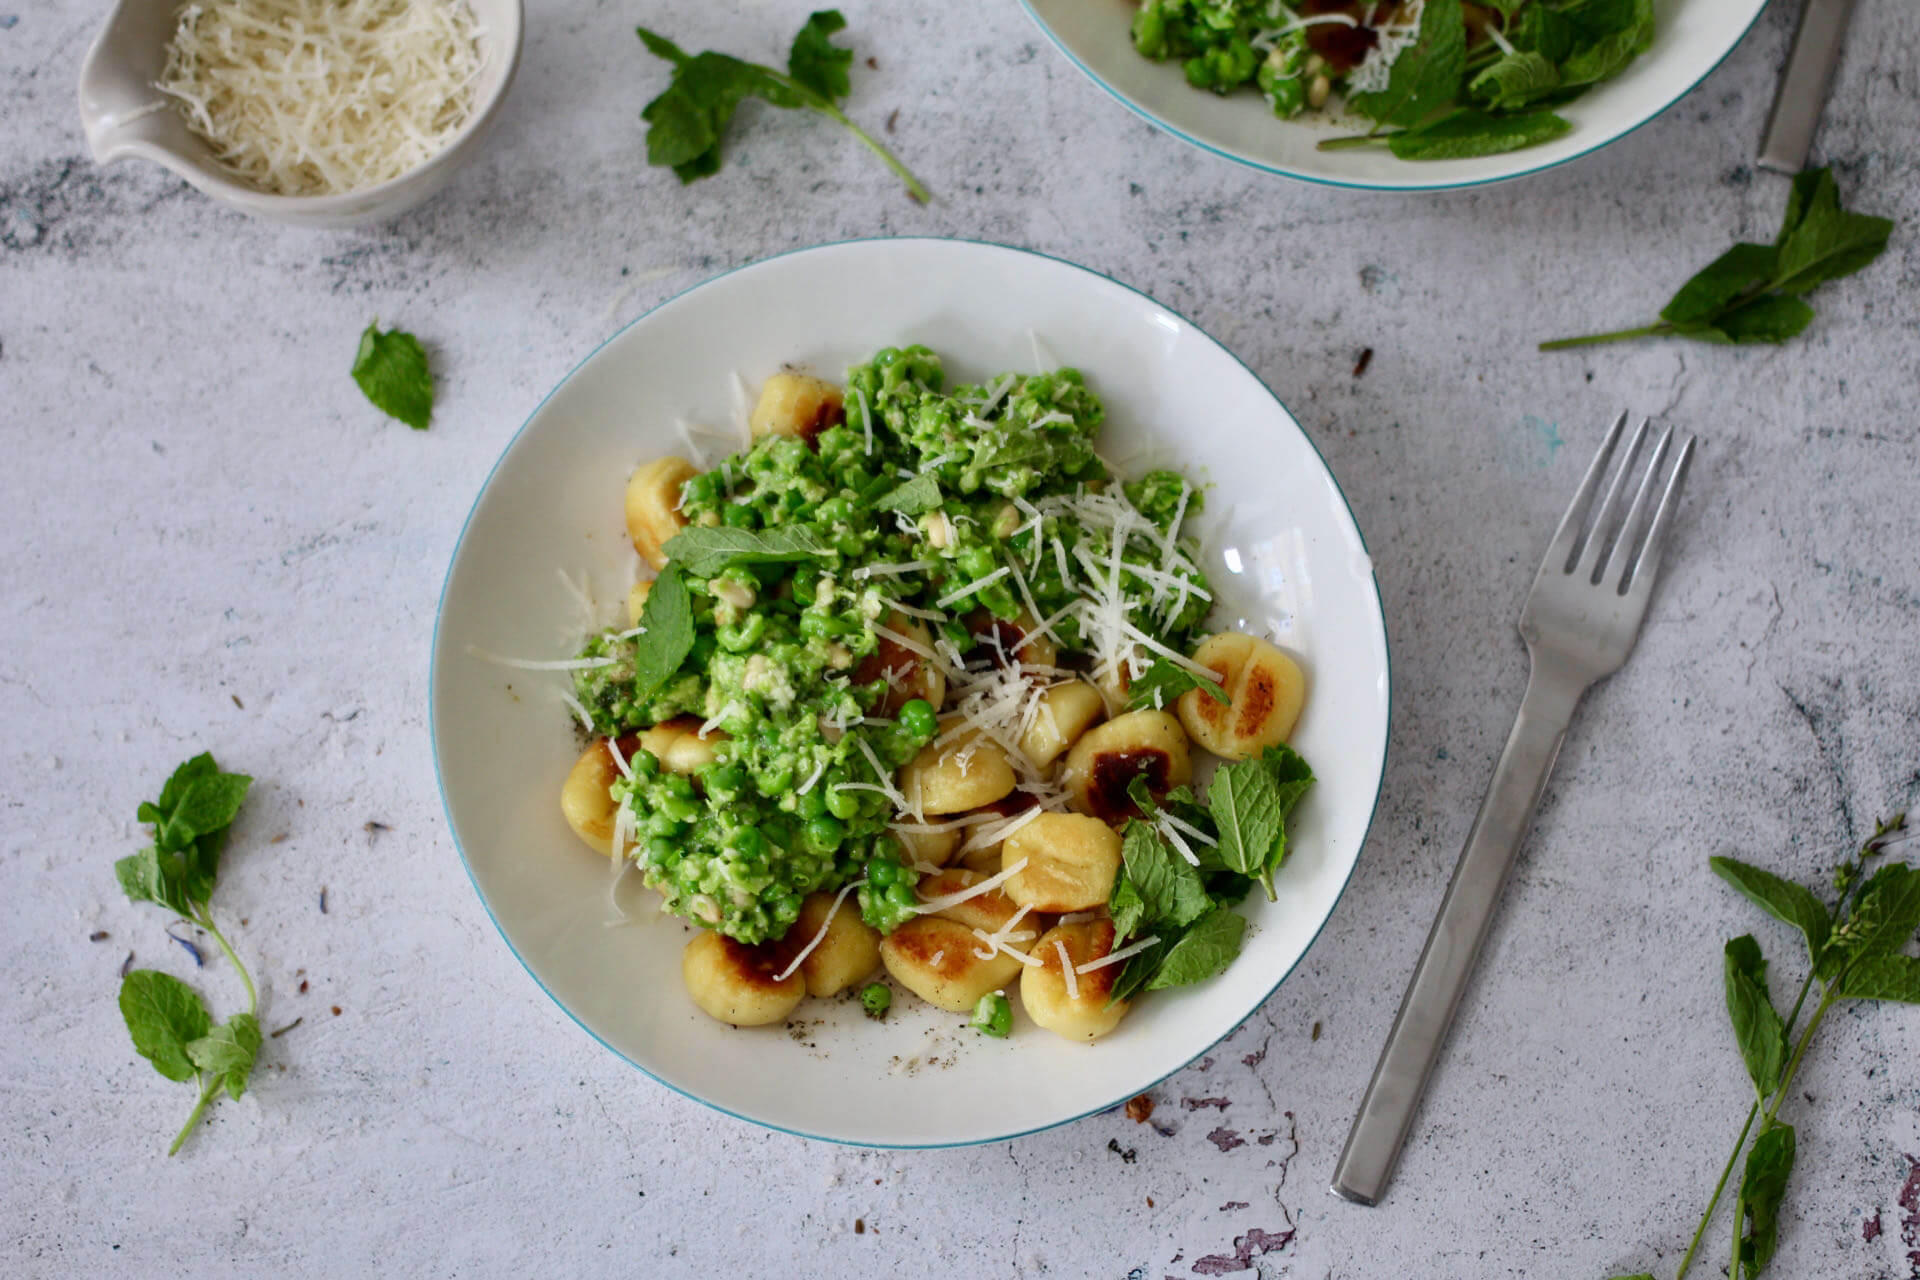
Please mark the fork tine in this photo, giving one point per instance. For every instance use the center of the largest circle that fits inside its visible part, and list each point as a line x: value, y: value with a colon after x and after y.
x: 1603, y: 532
x: 1627, y: 544
x: 1566, y: 539
x: 1645, y: 567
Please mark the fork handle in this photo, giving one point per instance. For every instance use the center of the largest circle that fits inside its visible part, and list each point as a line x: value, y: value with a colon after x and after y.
x: 1427, y: 1009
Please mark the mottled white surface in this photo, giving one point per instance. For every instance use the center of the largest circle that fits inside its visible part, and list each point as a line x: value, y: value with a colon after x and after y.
x: 201, y: 512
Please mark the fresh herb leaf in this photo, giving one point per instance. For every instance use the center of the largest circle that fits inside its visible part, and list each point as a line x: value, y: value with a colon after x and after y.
x: 1762, y: 1186
x: 1515, y: 80
x: 1166, y: 680
x: 1202, y: 951
x: 227, y: 1052
x: 163, y: 1016
x: 1884, y: 917
x: 1616, y: 31
x: 1426, y: 75
x: 1757, y: 1028
x: 687, y: 123
x: 1782, y: 899
x: 1245, y: 802
x: 1127, y: 908
x: 1475, y: 133
x: 1140, y: 967
x: 914, y: 497
x: 1169, y: 887
x: 1751, y: 293
x: 704, y: 552
x: 1894, y: 978
x: 666, y: 636
x: 391, y: 369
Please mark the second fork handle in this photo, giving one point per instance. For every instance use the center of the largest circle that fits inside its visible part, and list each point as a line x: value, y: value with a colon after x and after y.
x: 1473, y: 895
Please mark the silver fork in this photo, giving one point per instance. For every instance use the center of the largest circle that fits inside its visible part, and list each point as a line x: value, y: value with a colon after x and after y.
x: 1579, y: 624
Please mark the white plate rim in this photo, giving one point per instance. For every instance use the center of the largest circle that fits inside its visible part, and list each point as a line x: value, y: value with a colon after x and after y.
x: 437, y: 649
x: 1352, y: 184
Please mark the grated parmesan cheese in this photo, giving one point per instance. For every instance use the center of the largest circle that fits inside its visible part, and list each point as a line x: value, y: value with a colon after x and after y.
x: 319, y: 97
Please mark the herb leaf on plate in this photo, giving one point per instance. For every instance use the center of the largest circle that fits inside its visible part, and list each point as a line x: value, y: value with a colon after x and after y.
x: 687, y: 124
x: 704, y: 552
x: 391, y: 369
x: 666, y: 636
x: 1165, y: 680
x: 1425, y: 78
x: 913, y: 497
x: 1206, y: 948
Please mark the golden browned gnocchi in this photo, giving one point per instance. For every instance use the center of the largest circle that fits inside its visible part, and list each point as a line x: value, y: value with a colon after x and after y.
x: 1066, y: 711
x: 585, y: 801
x: 1108, y: 757
x: 907, y: 672
x: 1070, y: 860
x: 968, y: 771
x: 740, y: 984
x: 847, y: 952
x: 795, y: 404
x: 940, y: 961
x: 935, y: 848
x: 653, y: 506
x: 1267, y: 689
x: 1074, y: 1006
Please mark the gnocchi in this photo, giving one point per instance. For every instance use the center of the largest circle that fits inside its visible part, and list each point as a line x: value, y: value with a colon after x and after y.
x: 739, y: 984
x: 1108, y: 757
x: 1267, y: 689
x: 1066, y: 711
x: 585, y: 800
x: 1070, y: 860
x: 1076, y: 1008
x: 847, y: 952
x: 653, y: 506
x: 907, y: 672
x: 795, y: 404
x: 953, y: 775
x: 940, y: 961
x: 680, y: 746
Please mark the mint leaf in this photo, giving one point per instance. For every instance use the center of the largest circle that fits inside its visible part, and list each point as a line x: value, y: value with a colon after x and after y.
x: 1426, y: 75
x: 1767, y: 319
x: 1617, y: 32
x: 1245, y: 802
x: 228, y: 1052
x: 704, y: 552
x: 184, y: 776
x: 1882, y: 978
x: 1736, y: 272
x: 687, y: 123
x: 1140, y: 967
x: 1757, y: 1027
x: 1169, y: 887
x: 1515, y: 80
x: 1782, y: 899
x: 1762, y: 1186
x: 1127, y: 909
x: 1884, y: 917
x: 1824, y: 242
x: 1475, y: 133
x: 667, y: 635
x: 1166, y: 680
x: 1202, y: 951
x: 815, y: 62
x: 163, y: 1016
x: 914, y: 497
x: 391, y: 369
x: 153, y: 876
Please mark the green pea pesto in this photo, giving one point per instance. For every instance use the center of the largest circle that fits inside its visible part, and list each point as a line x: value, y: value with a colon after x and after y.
x: 796, y: 799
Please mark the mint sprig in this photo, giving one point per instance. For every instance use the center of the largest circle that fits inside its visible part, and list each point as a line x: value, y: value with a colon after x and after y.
x: 167, y: 1020
x: 1752, y: 293
x: 687, y: 124
x: 1855, y: 951
x: 391, y: 369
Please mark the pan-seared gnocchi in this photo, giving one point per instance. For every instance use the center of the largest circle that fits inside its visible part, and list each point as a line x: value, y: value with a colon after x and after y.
x: 1070, y: 861
x: 953, y: 775
x: 848, y: 949
x: 680, y: 746
x: 904, y: 668
x: 740, y: 984
x: 1074, y: 1005
x: 935, y: 848
x: 794, y: 404
x: 1267, y: 690
x: 585, y: 798
x: 944, y: 963
x: 653, y: 506
x: 1108, y: 757
x: 1066, y: 711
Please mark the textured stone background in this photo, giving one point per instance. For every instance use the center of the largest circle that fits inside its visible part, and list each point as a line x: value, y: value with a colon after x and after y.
x: 211, y: 541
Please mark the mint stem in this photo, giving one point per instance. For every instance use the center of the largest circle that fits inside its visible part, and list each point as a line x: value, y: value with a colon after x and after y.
x: 206, y: 1096
x: 1350, y: 141
x: 205, y: 921
x: 1618, y: 335
x: 914, y: 187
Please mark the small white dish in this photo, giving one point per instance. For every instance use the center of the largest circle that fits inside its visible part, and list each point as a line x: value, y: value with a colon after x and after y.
x: 1692, y: 39
x: 117, y: 99
x: 1280, y: 545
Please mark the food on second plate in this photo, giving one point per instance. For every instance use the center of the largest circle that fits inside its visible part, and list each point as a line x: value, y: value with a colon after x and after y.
x: 322, y: 97
x: 1440, y: 79
x: 907, y: 697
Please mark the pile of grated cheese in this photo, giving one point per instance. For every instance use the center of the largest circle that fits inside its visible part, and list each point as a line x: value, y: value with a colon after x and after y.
x: 321, y: 97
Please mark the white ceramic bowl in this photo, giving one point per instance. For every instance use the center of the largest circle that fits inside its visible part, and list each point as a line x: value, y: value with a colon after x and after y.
x: 117, y: 94
x: 1693, y: 37
x: 1281, y: 547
